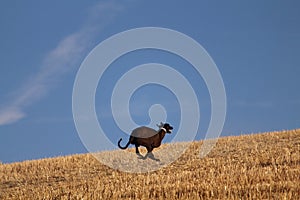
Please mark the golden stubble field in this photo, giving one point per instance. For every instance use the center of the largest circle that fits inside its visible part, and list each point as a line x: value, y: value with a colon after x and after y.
x: 257, y: 166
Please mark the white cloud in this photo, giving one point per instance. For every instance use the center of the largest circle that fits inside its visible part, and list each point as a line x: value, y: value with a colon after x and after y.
x: 60, y: 60
x: 11, y: 115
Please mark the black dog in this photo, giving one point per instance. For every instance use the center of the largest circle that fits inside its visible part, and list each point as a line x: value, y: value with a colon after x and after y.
x: 147, y: 137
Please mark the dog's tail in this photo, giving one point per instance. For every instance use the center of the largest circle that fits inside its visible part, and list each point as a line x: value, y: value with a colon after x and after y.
x: 119, y: 145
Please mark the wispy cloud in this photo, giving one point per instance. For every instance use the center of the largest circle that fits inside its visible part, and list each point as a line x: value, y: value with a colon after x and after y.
x: 11, y: 115
x: 67, y: 55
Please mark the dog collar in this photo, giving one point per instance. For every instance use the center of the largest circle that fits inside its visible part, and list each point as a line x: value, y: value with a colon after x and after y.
x: 163, y: 129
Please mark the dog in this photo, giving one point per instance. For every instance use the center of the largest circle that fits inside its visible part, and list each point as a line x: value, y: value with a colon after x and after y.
x: 147, y: 137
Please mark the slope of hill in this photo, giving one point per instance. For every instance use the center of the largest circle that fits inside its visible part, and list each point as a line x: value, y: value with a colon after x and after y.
x: 258, y: 166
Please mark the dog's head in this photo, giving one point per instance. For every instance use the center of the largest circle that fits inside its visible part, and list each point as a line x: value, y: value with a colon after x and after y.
x: 166, y: 127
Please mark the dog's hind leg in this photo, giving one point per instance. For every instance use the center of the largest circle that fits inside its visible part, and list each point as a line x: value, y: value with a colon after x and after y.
x: 137, y: 150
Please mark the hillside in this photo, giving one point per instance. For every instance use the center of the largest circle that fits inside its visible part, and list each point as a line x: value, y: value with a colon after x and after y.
x: 257, y: 166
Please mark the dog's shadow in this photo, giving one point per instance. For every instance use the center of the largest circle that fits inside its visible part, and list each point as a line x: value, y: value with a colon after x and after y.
x: 151, y: 156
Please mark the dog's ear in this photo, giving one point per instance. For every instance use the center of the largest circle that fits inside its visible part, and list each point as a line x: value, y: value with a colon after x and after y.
x: 160, y: 125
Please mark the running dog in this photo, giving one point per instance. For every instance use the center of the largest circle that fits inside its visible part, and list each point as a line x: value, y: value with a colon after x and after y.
x: 147, y: 137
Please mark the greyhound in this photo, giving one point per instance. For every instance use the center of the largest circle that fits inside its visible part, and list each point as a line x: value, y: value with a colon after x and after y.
x: 147, y: 137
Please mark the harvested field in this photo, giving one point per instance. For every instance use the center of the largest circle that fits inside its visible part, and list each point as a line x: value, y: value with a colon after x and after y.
x: 256, y: 166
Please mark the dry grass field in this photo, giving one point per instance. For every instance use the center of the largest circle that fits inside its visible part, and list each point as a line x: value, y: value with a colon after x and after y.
x: 257, y: 166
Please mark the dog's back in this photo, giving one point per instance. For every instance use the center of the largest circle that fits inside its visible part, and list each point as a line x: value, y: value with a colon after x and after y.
x: 143, y: 132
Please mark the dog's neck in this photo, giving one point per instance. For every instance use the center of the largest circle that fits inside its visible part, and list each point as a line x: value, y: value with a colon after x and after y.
x: 163, y: 129
x: 162, y: 132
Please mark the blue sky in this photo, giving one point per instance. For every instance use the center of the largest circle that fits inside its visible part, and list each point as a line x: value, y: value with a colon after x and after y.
x: 255, y: 45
